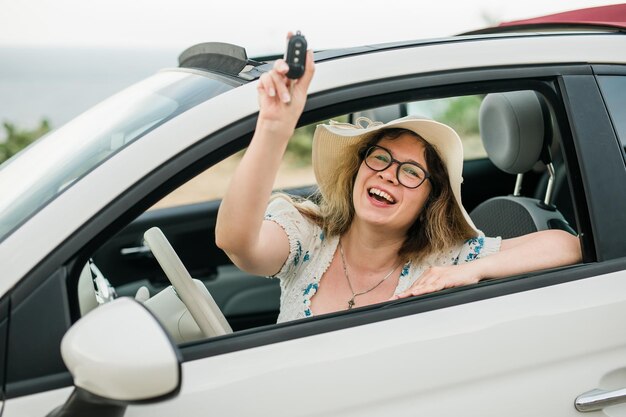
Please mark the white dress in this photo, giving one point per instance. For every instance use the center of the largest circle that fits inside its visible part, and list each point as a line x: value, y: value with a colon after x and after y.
x: 310, y: 255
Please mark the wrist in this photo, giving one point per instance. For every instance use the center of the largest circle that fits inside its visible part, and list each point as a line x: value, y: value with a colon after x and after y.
x: 275, y: 129
x: 477, y: 269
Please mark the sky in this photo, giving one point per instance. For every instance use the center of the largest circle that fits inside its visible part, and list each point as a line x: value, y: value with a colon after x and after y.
x: 59, y: 58
x: 258, y: 25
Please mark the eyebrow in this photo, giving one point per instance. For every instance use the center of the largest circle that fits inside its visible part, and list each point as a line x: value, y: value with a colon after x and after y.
x: 408, y: 160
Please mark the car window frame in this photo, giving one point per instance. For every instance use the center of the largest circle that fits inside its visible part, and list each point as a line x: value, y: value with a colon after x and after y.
x: 74, y: 252
x: 611, y: 70
x: 600, y: 164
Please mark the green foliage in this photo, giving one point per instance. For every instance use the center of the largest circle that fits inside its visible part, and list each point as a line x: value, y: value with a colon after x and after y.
x: 462, y: 115
x: 18, y: 139
x: 301, y: 143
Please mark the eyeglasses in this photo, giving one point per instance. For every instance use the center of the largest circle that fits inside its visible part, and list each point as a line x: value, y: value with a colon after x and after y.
x: 409, y: 174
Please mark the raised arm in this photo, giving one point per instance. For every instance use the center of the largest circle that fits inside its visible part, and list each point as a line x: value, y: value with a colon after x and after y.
x: 532, y: 252
x: 257, y: 246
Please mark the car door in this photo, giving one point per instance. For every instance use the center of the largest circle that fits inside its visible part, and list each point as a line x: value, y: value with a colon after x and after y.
x: 528, y: 345
x: 488, y: 357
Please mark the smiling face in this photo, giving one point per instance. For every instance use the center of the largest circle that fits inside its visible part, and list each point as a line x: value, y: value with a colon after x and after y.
x: 380, y: 200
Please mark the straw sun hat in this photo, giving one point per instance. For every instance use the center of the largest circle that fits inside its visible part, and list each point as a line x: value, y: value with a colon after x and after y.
x: 331, y: 141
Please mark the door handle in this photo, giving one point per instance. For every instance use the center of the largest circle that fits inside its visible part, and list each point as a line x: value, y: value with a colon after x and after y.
x: 598, y: 399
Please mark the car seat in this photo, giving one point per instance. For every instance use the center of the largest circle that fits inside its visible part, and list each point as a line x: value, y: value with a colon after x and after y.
x: 516, y: 130
x: 561, y: 195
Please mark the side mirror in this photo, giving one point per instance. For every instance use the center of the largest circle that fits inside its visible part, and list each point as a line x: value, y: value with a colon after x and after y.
x: 118, y: 354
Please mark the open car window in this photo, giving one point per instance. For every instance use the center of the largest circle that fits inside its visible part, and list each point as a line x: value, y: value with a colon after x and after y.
x: 125, y: 266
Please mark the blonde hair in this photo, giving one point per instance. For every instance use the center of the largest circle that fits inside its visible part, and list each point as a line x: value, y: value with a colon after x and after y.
x: 439, y: 226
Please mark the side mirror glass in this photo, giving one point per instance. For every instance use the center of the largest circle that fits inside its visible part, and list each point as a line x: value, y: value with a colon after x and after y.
x: 118, y: 354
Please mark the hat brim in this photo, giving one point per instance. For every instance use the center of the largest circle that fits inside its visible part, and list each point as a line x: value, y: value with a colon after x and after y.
x: 331, y: 141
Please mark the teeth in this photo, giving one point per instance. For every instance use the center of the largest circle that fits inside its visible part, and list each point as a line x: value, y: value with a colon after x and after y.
x: 382, y: 194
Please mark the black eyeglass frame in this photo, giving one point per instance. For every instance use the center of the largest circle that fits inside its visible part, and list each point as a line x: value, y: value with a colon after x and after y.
x: 391, y: 162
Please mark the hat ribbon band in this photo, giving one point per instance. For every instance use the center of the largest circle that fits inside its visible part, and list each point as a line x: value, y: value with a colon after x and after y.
x: 361, y: 123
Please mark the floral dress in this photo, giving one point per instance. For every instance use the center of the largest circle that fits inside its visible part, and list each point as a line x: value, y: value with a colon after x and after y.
x: 311, y: 252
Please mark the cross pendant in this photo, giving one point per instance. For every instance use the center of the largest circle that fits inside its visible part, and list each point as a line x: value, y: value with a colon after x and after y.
x: 351, y: 303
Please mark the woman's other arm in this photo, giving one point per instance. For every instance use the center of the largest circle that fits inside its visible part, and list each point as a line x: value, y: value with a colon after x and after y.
x: 532, y: 252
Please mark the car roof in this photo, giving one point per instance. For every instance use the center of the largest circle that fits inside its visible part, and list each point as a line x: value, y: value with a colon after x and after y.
x: 253, y: 68
x: 232, y: 61
x: 612, y: 17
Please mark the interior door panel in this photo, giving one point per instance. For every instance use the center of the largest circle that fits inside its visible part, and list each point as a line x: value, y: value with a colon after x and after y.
x: 189, y: 229
x: 246, y: 300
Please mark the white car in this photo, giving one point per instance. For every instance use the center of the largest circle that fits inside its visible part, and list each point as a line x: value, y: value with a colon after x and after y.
x: 74, y: 208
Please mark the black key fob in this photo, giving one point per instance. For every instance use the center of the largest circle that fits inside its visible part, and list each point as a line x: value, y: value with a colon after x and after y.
x: 296, y: 55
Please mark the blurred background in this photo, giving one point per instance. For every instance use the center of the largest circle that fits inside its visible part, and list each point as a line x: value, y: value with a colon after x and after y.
x: 59, y: 58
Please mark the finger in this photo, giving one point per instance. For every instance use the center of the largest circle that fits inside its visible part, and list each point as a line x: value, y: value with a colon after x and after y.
x: 266, y: 85
x: 425, y: 281
x: 403, y: 295
x: 281, y: 66
x: 431, y: 276
x: 406, y: 294
x: 302, y: 84
x: 426, y: 289
x: 420, y: 289
x: 280, y: 83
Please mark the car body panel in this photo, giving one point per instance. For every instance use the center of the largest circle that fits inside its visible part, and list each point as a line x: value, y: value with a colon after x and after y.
x: 38, y: 404
x: 459, y: 360
x: 454, y: 361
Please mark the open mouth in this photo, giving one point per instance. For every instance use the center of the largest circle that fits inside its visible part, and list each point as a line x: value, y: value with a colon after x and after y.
x: 381, y: 196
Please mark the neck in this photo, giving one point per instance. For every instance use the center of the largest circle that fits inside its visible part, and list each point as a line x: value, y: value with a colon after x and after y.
x: 370, y: 250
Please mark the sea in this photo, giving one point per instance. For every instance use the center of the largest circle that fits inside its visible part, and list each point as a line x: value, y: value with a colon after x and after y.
x: 58, y: 84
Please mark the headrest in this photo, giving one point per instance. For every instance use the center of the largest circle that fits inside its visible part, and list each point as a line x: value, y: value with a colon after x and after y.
x: 513, y: 130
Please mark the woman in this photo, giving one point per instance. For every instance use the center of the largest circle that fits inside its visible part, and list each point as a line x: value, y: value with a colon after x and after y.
x: 390, y: 223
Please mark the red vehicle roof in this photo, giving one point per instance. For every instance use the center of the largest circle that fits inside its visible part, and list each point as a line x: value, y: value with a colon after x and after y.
x: 602, y: 17
x: 613, y: 16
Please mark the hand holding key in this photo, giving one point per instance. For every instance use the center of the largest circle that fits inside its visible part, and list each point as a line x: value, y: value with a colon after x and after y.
x: 283, y: 90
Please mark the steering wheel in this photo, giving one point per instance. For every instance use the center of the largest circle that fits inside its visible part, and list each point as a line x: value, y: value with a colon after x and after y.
x: 192, y: 293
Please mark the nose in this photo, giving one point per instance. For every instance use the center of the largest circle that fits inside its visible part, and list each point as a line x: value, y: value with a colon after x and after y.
x: 389, y: 174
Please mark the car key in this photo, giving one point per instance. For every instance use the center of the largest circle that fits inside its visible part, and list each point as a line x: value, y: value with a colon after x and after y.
x: 296, y: 56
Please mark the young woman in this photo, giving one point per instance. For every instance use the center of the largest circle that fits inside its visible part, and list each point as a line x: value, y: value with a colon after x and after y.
x: 389, y: 224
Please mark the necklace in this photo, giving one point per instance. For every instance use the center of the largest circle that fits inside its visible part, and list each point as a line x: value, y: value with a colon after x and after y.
x: 356, y: 294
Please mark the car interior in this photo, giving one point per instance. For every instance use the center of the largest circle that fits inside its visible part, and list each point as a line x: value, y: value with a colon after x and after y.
x: 515, y: 182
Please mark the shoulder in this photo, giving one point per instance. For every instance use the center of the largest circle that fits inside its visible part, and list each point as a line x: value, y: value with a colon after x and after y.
x: 282, y: 205
x: 303, y: 234
x: 478, y: 247
x: 286, y: 214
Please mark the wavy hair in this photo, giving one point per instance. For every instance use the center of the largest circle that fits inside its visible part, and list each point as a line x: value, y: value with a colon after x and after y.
x: 440, y: 224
